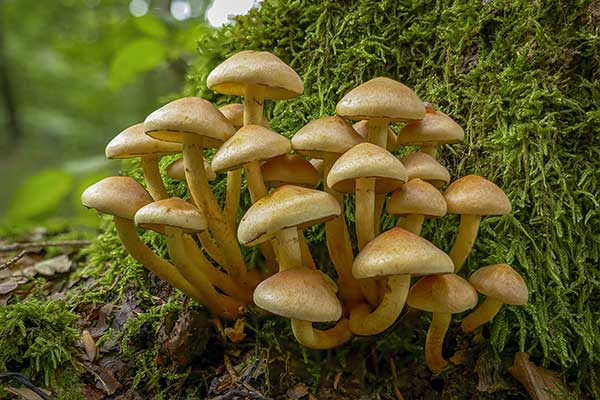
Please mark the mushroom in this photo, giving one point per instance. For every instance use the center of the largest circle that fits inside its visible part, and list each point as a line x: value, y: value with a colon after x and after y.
x: 472, y: 197
x: 423, y: 166
x: 362, y: 128
x: 304, y: 296
x: 415, y: 201
x: 502, y: 285
x: 235, y: 114
x: 431, y: 132
x: 395, y: 255
x: 132, y: 142
x: 289, y: 169
x: 442, y: 295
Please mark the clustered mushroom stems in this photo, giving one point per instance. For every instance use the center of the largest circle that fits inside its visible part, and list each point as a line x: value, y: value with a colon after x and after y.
x: 413, y: 223
x: 152, y: 177
x: 318, y: 339
x: 232, y: 196
x: 465, y: 239
x: 377, y: 133
x: 482, y: 315
x: 210, y: 247
x: 434, y: 341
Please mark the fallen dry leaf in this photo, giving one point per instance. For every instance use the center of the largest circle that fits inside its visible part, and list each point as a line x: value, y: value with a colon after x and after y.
x: 89, y: 344
x: 23, y: 393
x: 297, y: 392
x: 488, y: 368
x: 53, y: 266
x: 10, y: 284
x: 540, y: 383
x: 236, y: 334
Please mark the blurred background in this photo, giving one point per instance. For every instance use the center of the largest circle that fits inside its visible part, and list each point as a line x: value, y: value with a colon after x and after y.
x: 73, y: 74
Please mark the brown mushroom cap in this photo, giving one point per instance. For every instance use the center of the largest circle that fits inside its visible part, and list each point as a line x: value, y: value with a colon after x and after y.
x: 259, y: 68
x: 299, y: 293
x: 176, y: 170
x: 133, y: 142
x: 189, y: 115
x: 362, y: 127
x: 250, y: 143
x: 285, y: 207
x: 475, y: 195
x: 417, y: 197
x: 381, y: 98
x: 289, y: 169
x: 173, y: 212
x: 422, y: 165
x: 120, y: 196
x: 399, y: 252
x: 366, y: 160
x: 326, y: 137
x: 318, y: 164
x: 235, y: 114
x: 501, y: 282
x: 447, y: 293
x: 435, y: 129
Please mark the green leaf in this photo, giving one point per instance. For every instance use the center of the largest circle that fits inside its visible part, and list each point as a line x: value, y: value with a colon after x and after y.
x: 151, y: 26
x: 137, y: 57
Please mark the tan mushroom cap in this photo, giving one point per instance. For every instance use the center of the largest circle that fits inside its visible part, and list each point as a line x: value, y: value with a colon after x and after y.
x: 258, y: 68
x: 447, y: 293
x: 367, y: 160
x: 289, y: 169
x: 422, y: 165
x: 176, y: 170
x: 318, y: 164
x: 299, y: 293
x: 501, y: 282
x: 362, y: 127
x: 475, y: 195
x: 383, y: 98
x: 399, y: 252
x: 189, y: 115
x: 417, y: 197
x: 326, y: 137
x: 285, y: 207
x: 133, y: 142
x: 435, y: 129
x: 235, y: 114
x: 173, y: 212
x: 120, y: 196
x: 250, y: 143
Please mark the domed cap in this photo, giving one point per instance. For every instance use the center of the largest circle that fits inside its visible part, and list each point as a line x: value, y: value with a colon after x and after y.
x: 289, y: 169
x: 176, y: 170
x: 120, y: 196
x: 435, y: 129
x: 189, y: 115
x: 133, y: 142
x: 173, y: 212
x: 366, y: 160
x: 285, y: 207
x: 381, y: 98
x: 250, y: 143
x: 422, y: 165
x: 235, y: 115
x: 442, y: 293
x: 501, y: 282
x: 362, y: 127
x: 417, y: 197
x: 475, y: 195
x: 400, y: 252
x: 326, y: 137
x: 259, y: 68
x: 299, y: 293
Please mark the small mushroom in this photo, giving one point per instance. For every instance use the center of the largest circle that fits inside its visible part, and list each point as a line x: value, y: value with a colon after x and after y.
x: 362, y: 128
x: 235, y: 114
x: 176, y: 170
x: 415, y: 201
x: 423, y: 166
x: 289, y: 169
x: 502, y: 285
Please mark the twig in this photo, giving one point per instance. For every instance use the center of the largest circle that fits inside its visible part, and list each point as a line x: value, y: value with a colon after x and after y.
x: 25, y: 381
x: 32, y: 245
x: 395, y: 380
x: 13, y: 260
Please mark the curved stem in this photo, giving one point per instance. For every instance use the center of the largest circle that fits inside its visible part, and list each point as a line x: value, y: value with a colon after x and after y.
x: 365, y: 323
x: 434, y: 342
x: 465, y: 239
x: 307, y: 259
x: 287, y: 247
x: 232, y: 198
x: 413, y: 223
x: 482, y: 314
x: 365, y: 211
x: 211, y: 248
x: 318, y: 339
x: 431, y: 150
x: 152, y: 177
x: 256, y: 184
x: 254, y: 101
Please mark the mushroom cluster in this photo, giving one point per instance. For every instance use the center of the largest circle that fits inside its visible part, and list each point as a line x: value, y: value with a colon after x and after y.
x: 373, y: 276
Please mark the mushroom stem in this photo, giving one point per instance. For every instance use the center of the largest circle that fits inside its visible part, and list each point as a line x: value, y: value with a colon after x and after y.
x: 400, y: 221
x: 434, y: 342
x: 377, y: 131
x: 287, y: 247
x: 321, y: 339
x: 482, y: 315
x: 413, y: 223
x: 256, y: 184
x: 211, y: 248
x: 152, y: 177
x: 232, y: 198
x: 365, y: 323
x: 379, y: 202
x: 467, y: 233
x: 431, y: 150
x: 307, y: 259
x: 365, y: 211
x: 254, y: 101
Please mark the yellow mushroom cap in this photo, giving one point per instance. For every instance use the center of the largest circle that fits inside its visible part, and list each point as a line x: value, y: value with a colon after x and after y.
x: 367, y: 160
x: 383, y: 98
x: 235, y: 114
x: 189, y: 115
x: 435, y: 129
x: 417, y: 197
x: 285, y: 207
x: 133, y: 142
x: 501, y: 282
x: 447, y: 293
x: 120, y: 196
x: 289, y: 169
x: 362, y: 127
x: 326, y: 137
x: 400, y: 252
x: 173, y: 212
x: 176, y: 170
x: 475, y: 195
x: 250, y: 143
x: 422, y: 165
x: 299, y: 293
x: 258, y: 68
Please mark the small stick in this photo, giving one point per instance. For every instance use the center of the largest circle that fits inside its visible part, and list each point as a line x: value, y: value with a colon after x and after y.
x: 25, y: 381
x: 395, y: 380
x: 31, y: 245
x: 16, y: 258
